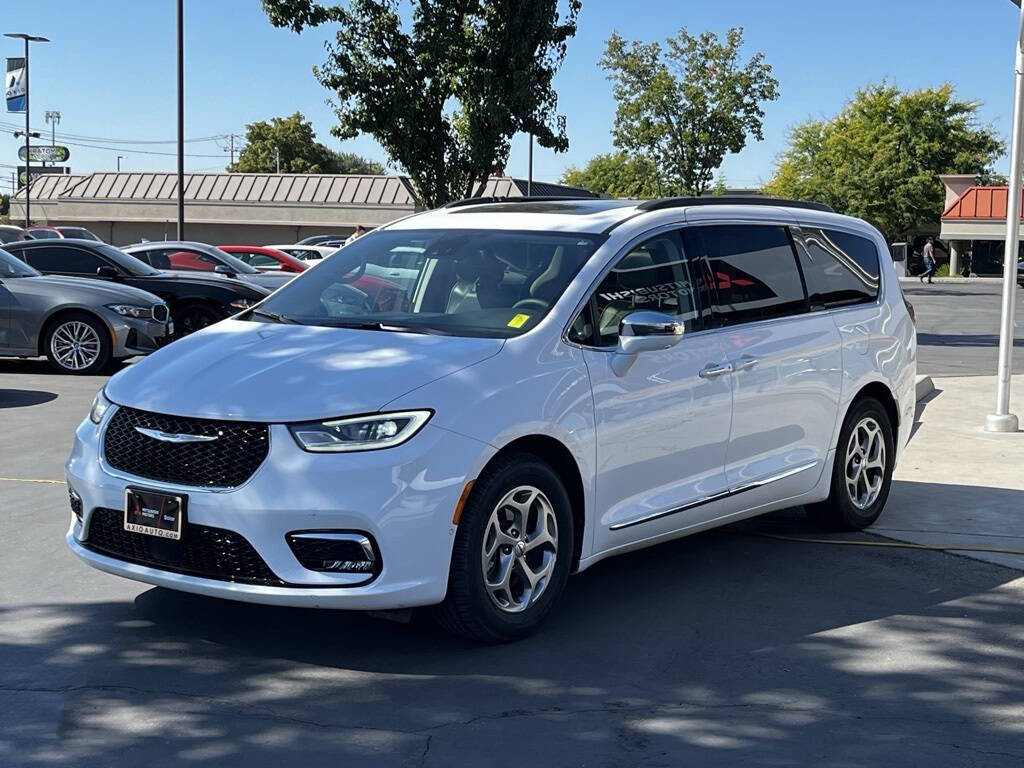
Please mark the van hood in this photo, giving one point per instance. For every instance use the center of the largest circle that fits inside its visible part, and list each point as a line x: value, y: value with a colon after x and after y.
x: 266, y: 372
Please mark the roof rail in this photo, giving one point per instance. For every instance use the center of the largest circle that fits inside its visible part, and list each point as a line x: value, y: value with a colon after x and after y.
x: 518, y: 199
x: 682, y: 202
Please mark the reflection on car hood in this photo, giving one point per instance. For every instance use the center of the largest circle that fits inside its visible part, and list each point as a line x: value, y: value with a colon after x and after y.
x: 213, y: 278
x: 278, y: 373
x: 90, y: 288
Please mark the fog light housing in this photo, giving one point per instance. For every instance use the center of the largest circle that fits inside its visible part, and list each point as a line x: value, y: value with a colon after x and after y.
x: 76, y: 502
x: 335, y: 552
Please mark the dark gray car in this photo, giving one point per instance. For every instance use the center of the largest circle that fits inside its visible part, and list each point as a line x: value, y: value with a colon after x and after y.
x: 187, y: 256
x: 79, y: 324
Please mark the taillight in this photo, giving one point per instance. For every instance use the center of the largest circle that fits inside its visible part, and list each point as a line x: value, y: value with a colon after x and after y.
x: 910, y: 310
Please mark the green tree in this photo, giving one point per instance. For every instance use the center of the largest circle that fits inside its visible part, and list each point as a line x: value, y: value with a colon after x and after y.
x: 616, y: 174
x: 300, y: 152
x: 5, y: 205
x: 688, y: 105
x: 880, y: 158
x: 444, y: 93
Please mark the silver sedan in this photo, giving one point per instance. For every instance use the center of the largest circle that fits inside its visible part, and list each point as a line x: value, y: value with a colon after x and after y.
x: 80, y: 325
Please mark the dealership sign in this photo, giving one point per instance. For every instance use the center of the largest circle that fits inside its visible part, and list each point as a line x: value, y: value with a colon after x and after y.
x: 14, y: 85
x: 37, y: 171
x: 42, y: 153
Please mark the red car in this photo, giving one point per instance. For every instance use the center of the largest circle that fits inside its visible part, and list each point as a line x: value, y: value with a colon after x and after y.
x: 265, y: 259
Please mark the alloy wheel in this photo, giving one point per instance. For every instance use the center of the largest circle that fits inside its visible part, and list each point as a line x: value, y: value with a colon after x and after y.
x: 75, y: 345
x: 865, y: 463
x: 519, y: 550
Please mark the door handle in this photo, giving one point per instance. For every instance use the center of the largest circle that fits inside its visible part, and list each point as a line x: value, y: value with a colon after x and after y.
x: 713, y: 370
x: 745, y: 363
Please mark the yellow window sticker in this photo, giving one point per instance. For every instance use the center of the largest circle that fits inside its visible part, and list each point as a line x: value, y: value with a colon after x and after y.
x: 519, y: 321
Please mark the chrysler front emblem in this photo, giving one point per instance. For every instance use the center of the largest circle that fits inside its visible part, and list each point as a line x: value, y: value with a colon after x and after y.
x: 171, y: 437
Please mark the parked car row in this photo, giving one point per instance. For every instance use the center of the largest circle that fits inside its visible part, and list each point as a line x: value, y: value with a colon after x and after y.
x: 81, y: 303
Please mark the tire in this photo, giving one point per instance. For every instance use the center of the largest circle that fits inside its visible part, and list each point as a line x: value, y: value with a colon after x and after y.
x: 78, y: 344
x: 193, y: 317
x: 841, y: 511
x: 508, y: 613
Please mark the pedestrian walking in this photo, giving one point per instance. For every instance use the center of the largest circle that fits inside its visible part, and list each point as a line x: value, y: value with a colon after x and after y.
x: 929, y: 260
x: 360, y: 231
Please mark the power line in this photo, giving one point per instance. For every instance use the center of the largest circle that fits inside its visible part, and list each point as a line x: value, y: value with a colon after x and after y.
x: 106, y: 140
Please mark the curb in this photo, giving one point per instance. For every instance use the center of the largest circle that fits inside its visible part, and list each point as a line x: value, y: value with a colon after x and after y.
x: 956, y: 280
x: 923, y: 387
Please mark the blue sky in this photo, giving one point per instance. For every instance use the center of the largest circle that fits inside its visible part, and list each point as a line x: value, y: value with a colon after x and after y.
x: 109, y: 70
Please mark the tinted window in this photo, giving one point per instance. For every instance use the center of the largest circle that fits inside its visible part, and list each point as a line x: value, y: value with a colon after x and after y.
x: 58, y: 258
x: 10, y: 266
x: 257, y: 259
x: 839, y: 268
x: 753, y: 271
x: 461, y: 282
x: 44, y: 234
x: 79, y: 232
x: 654, y: 277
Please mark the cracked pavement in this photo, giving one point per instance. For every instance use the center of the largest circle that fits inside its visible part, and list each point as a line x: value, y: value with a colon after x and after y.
x: 722, y: 649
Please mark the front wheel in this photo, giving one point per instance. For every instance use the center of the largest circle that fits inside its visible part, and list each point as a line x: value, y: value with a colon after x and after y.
x: 193, y: 317
x: 512, y: 554
x: 78, y: 344
x: 862, y: 470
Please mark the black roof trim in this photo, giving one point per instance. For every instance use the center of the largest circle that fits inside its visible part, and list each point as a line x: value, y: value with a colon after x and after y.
x: 518, y: 199
x: 683, y: 202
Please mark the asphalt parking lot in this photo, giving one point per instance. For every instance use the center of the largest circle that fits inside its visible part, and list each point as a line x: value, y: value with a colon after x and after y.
x: 723, y: 649
x: 958, y: 327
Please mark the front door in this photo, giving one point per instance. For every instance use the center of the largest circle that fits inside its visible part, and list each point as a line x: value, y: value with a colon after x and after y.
x: 663, y: 422
x: 786, y: 362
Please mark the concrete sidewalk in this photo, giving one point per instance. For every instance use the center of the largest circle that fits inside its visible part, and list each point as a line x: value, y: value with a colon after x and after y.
x: 957, y: 484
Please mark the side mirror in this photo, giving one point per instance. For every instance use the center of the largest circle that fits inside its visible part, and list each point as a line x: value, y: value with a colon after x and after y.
x: 222, y: 269
x: 107, y: 273
x: 644, y: 331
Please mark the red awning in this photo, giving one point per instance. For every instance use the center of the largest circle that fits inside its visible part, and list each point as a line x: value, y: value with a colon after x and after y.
x: 985, y: 203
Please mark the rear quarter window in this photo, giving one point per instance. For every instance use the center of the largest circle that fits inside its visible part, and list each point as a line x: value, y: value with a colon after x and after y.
x: 839, y: 268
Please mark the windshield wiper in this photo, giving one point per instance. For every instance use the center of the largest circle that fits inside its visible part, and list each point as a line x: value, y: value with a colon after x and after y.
x: 375, y: 325
x: 277, y: 317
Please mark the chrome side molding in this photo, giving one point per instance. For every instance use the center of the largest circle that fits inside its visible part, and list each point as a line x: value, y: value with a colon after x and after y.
x: 718, y: 496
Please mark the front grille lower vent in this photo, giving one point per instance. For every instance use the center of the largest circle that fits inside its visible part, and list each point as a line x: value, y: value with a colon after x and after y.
x: 227, y: 460
x: 210, y: 553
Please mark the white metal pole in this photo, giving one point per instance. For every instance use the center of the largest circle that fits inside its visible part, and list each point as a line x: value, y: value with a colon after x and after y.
x: 1002, y: 420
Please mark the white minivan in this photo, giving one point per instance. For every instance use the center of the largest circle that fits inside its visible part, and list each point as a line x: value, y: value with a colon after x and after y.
x: 562, y: 380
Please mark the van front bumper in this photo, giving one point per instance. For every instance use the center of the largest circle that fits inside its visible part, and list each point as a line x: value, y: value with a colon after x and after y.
x: 402, y: 497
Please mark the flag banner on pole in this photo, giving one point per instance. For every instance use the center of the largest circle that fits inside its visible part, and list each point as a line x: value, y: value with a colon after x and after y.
x: 15, y: 84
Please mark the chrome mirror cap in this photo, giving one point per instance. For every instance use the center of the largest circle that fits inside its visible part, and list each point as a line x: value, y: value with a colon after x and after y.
x: 646, y: 331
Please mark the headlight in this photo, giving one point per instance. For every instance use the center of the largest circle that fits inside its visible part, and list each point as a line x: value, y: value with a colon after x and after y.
x: 360, y: 433
x: 100, y: 404
x: 131, y: 310
x: 242, y: 303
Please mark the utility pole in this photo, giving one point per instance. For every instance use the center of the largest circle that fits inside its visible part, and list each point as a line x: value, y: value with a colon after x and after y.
x: 277, y: 158
x: 52, y: 116
x: 119, y: 159
x: 232, y: 138
x: 28, y: 131
x: 181, y: 120
x: 1002, y: 420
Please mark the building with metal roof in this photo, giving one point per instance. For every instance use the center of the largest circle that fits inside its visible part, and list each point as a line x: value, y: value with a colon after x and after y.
x: 222, y: 208
x: 974, y: 223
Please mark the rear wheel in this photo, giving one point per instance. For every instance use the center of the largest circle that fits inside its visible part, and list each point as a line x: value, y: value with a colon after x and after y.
x: 512, y: 554
x: 192, y: 318
x: 862, y: 470
x: 78, y: 344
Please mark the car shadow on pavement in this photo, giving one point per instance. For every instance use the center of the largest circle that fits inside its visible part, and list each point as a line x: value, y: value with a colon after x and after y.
x: 19, y: 398
x: 962, y: 340
x: 722, y: 649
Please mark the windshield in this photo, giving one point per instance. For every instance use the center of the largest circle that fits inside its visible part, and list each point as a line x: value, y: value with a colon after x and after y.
x: 11, y: 266
x: 235, y: 263
x: 45, y: 234
x: 126, y: 261
x: 79, y: 232
x: 459, y: 282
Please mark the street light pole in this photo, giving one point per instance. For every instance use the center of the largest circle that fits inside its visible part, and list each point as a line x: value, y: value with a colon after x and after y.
x: 1002, y: 420
x: 181, y: 121
x: 28, y: 132
x: 119, y: 159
